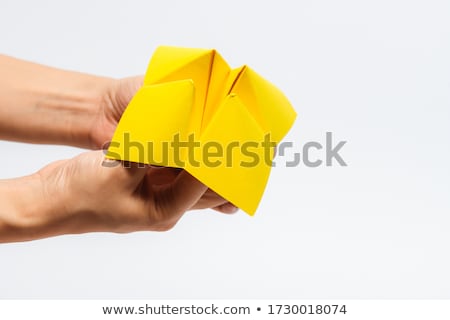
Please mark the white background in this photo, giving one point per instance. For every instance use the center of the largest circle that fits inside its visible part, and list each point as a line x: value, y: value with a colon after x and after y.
x: 375, y: 73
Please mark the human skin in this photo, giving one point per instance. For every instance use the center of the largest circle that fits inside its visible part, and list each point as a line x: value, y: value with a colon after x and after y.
x: 39, y: 104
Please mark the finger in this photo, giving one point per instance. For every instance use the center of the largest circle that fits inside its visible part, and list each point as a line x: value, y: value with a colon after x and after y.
x: 162, y: 175
x: 128, y: 174
x: 227, y: 208
x: 135, y: 172
x: 127, y: 89
x: 210, y: 199
x: 186, y: 191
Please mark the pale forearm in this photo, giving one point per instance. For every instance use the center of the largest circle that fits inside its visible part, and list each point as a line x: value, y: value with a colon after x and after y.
x: 40, y: 104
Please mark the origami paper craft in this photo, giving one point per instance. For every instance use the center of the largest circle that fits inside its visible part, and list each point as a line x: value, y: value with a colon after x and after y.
x: 195, y: 112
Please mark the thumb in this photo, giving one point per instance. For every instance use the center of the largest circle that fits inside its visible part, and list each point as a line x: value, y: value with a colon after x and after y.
x: 128, y: 174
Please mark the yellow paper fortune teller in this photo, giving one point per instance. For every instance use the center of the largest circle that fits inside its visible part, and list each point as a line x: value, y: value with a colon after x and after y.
x: 219, y: 124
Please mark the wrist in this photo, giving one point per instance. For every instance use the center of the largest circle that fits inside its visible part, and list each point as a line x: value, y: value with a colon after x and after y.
x: 24, y: 211
x: 41, y: 104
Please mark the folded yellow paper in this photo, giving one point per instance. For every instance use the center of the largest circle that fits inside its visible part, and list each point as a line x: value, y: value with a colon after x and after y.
x: 220, y: 124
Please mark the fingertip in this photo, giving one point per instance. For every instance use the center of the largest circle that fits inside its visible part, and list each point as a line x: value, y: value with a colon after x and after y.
x: 227, y: 208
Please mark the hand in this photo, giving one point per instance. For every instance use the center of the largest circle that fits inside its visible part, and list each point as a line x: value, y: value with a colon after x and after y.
x: 124, y: 197
x: 89, y: 193
x: 113, y: 103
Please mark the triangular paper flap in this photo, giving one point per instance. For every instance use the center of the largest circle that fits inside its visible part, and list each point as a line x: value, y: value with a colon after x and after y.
x: 150, y: 122
x: 267, y: 103
x: 219, y: 75
x: 184, y: 64
x: 240, y: 169
x: 167, y: 59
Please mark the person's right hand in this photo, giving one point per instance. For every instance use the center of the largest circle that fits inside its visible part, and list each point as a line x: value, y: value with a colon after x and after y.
x: 88, y: 193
